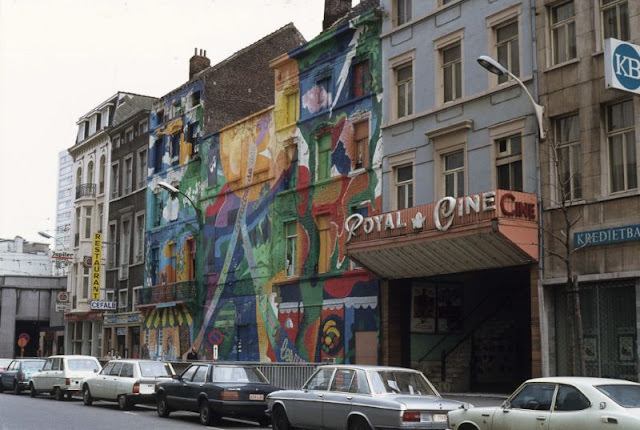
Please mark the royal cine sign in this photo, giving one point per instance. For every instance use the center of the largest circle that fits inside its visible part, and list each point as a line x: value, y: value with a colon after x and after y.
x: 622, y: 65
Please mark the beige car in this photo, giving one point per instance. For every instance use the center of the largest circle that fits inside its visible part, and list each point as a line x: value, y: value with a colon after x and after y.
x: 62, y: 375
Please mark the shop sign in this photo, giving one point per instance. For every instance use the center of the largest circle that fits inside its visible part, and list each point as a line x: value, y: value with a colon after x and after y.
x: 62, y: 256
x: 103, y: 305
x: 63, y: 307
x: 443, y: 213
x: 606, y: 236
x: 622, y: 65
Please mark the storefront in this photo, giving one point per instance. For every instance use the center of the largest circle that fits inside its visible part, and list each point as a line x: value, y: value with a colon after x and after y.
x: 459, y: 299
x: 122, y: 335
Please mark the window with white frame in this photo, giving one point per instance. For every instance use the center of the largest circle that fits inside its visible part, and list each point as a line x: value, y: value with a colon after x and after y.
x: 100, y: 217
x: 128, y: 175
x: 622, y: 144
x: 450, y: 58
x: 115, y: 180
x: 141, y: 169
x: 128, y: 135
x: 136, y: 291
x: 101, y: 173
x: 87, y: 222
x: 291, y: 248
x: 85, y: 281
x: 509, y: 162
x: 360, y: 156
x: 453, y: 173
x: 568, y: 154
x: 615, y: 19
x: 112, y: 255
x: 125, y: 241
x: 563, y: 32
x: 507, y: 48
x: 143, y: 126
x: 402, y: 11
x: 403, y: 178
x: 138, y: 245
x: 123, y: 299
x: 403, y: 75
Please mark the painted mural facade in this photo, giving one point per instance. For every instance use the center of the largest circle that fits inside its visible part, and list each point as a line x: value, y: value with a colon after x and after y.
x: 259, y: 268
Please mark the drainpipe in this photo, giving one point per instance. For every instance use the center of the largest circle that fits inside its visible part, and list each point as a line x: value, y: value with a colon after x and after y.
x: 542, y: 315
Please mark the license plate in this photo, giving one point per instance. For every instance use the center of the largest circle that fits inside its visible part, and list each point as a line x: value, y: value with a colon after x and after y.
x: 259, y: 397
x: 440, y: 418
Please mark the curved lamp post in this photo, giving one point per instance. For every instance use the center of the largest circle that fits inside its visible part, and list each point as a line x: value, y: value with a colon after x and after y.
x: 498, y: 69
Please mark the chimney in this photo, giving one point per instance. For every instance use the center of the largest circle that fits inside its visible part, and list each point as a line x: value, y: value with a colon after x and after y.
x: 198, y: 62
x: 334, y: 10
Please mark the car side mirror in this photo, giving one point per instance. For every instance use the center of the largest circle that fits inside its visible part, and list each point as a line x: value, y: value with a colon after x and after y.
x: 176, y: 377
x: 506, y: 404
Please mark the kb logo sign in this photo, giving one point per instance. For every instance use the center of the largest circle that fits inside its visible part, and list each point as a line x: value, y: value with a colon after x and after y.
x: 622, y: 65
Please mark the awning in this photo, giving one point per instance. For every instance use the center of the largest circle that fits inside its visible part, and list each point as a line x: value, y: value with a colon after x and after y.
x: 484, y: 231
x: 166, y: 317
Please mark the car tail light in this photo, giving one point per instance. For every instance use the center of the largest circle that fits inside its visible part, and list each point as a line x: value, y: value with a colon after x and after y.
x: 230, y: 395
x: 136, y: 388
x: 411, y: 416
x: 67, y: 381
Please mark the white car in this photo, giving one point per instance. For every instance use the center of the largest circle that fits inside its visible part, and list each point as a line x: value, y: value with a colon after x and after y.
x: 62, y: 375
x: 555, y: 403
x: 127, y: 382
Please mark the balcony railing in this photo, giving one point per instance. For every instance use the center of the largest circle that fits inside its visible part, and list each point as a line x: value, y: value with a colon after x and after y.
x: 85, y: 190
x: 176, y: 292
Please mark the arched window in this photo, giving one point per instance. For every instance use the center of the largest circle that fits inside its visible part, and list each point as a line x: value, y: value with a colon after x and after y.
x: 101, y: 173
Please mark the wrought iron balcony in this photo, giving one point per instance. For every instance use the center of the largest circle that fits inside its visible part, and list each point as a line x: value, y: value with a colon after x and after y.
x: 177, y: 292
x: 85, y: 190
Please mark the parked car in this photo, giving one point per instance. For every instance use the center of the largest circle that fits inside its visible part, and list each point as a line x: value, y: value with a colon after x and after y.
x: 215, y: 390
x: 63, y: 375
x: 567, y: 403
x: 360, y: 397
x: 127, y: 382
x: 18, y: 374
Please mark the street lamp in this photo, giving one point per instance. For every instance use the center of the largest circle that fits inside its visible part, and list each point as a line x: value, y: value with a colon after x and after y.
x: 174, y: 191
x: 498, y: 69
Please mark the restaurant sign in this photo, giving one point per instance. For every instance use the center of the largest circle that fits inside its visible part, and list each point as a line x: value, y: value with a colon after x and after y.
x: 446, y: 212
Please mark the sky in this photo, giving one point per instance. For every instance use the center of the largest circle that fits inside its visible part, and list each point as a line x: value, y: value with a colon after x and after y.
x: 61, y: 58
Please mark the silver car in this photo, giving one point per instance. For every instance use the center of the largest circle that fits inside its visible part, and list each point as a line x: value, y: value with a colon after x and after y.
x: 359, y: 397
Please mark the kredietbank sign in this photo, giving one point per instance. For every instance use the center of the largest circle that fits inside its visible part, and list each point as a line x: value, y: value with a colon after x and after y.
x: 622, y: 65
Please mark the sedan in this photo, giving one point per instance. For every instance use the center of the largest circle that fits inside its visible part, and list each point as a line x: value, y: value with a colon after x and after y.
x: 18, y: 374
x: 359, y: 397
x: 215, y: 390
x: 554, y: 403
x: 127, y: 382
x: 4, y: 363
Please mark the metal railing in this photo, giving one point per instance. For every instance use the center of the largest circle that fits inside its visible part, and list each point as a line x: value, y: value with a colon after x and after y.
x: 85, y: 190
x: 174, y: 292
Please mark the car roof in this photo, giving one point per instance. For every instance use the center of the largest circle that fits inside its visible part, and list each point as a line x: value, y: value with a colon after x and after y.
x: 135, y: 360
x: 582, y: 380
x: 370, y: 367
x: 73, y: 356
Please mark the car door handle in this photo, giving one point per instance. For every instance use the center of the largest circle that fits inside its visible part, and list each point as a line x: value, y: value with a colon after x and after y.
x: 320, y: 395
x: 541, y: 418
x: 349, y: 397
x: 609, y: 420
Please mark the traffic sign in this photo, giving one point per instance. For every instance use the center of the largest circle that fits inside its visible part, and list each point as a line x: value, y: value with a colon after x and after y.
x: 215, y: 337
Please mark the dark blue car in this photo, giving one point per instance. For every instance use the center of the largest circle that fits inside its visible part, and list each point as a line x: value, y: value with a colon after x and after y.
x: 18, y: 374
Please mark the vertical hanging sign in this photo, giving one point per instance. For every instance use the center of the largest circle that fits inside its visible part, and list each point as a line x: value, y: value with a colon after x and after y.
x: 97, y: 251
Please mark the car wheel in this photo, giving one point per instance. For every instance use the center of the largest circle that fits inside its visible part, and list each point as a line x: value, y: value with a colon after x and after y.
x: 123, y: 402
x: 69, y: 395
x: 467, y: 426
x: 58, y: 394
x: 162, y: 406
x: 32, y: 390
x: 86, y: 396
x: 16, y: 387
x: 205, y: 413
x: 279, y: 420
x: 359, y: 424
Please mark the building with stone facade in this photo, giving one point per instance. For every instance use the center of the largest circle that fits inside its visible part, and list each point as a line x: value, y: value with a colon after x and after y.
x: 591, y: 201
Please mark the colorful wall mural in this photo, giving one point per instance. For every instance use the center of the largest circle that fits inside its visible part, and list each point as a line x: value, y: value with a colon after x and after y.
x: 259, y: 269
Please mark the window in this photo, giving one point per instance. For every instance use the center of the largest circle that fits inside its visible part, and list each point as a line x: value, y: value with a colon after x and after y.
x: 451, y: 60
x: 615, y: 19
x: 507, y: 49
x: 101, y: 174
x: 85, y: 282
x: 535, y: 396
x: 622, y: 146
x: 568, y: 153
x: 138, y: 245
x: 570, y: 399
x: 404, y: 186
x: 128, y: 135
x: 291, y: 105
x: 125, y: 242
x: 194, y: 99
x: 90, y: 172
x: 404, y: 90
x: 563, y: 32
x: 323, y: 84
x: 160, y: 116
x: 115, y: 180
x: 175, y: 148
x: 402, y: 11
x: 112, y: 256
x: 159, y: 207
x: 325, y: 248
x: 453, y: 172
x: 291, y: 242
x: 141, y: 169
x: 123, y: 299
x: 508, y: 163
x: 155, y: 264
x: 360, y: 156
x: 128, y: 175
x: 192, y: 135
x: 158, y: 152
x: 98, y: 121
x: 291, y: 176
x: 324, y: 157
x: 143, y: 126
x: 135, y: 298
x: 171, y: 256
x: 361, y: 79
x: 87, y: 222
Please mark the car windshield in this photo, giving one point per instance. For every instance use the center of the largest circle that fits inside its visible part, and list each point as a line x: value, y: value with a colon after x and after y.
x: 154, y: 368
x: 627, y: 396
x: 4, y: 362
x: 237, y: 374
x: 399, y: 382
x: 36, y: 364
x: 82, y: 364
